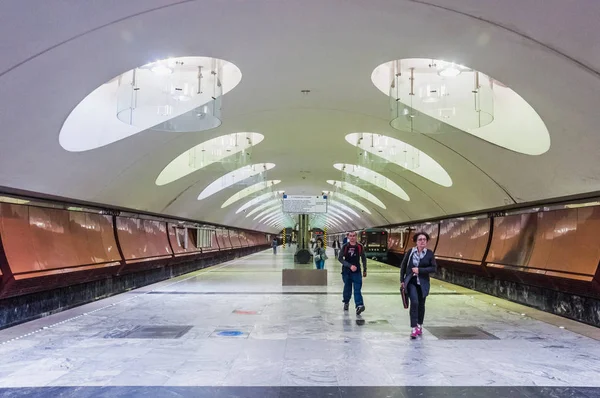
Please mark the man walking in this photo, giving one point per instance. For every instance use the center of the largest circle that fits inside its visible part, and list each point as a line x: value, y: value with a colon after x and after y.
x: 350, y: 256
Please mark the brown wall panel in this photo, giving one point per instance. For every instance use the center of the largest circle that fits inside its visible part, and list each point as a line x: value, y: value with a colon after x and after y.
x: 37, y: 239
x: 556, y: 242
x: 434, y: 232
x: 394, y: 242
x: 223, y: 239
x: 215, y: 244
x: 543, y: 238
x: 235, y: 239
x: 173, y: 239
x: 156, y: 232
x: 109, y: 242
x: 141, y: 238
x: 177, y: 236
x: 257, y: 239
x: 588, y: 227
x: 16, y: 238
x: 512, y: 239
x: 78, y: 226
x: 463, y: 239
x: 52, y: 240
x: 129, y: 232
x: 559, y: 242
x: 95, y: 232
x: 227, y: 238
x: 576, y: 241
x: 432, y: 229
x: 244, y: 239
x: 48, y: 248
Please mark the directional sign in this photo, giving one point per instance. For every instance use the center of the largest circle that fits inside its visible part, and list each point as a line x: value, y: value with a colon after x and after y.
x: 302, y: 204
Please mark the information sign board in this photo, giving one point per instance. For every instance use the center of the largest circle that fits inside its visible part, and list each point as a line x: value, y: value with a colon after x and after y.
x: 304, y: 204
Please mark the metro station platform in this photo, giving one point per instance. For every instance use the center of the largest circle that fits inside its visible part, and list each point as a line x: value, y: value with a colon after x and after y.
x: 233, y: 331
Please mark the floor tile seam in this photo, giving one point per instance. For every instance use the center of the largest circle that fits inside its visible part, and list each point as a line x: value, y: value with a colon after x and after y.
x: 141, y: 294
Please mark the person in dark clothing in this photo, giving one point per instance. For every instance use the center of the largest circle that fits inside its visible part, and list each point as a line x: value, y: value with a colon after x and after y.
x: 336, y: 246
x: 416, y: 266
x: 350, y: 256
x: 274, y: 245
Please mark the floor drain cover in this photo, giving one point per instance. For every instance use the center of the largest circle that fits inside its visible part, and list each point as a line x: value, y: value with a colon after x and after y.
x: 460, y: 333
x: 230, y: 333
x: 152, y: 332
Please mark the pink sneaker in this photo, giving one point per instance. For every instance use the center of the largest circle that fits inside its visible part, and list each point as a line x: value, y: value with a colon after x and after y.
x: 419, y: 330
x: 414, y: 333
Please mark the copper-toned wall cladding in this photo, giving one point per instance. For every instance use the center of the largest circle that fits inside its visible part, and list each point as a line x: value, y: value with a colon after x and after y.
x: 141, y: 238
x: 464, y: 239
x: 561, y: 243
x: 49, y: 248
x: 177, y: 237
x: 235, y: 240
x: 46, y: 248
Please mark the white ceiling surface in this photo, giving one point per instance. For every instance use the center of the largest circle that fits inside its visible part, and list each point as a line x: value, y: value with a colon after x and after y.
x: 54, y: 53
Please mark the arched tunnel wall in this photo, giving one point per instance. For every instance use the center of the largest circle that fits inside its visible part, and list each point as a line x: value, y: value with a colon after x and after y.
x: 547, y: 259
x: 52, y: 258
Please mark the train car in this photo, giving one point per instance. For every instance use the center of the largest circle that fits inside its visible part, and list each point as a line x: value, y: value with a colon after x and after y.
x: 375, y: 242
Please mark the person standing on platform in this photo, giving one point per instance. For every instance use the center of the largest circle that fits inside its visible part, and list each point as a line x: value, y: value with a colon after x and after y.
x: 345, y: 240
x: 319, y: 254
x: 416, y: 267
x: 274, y: 245
x: 336, y: 247
x: 350, y: 256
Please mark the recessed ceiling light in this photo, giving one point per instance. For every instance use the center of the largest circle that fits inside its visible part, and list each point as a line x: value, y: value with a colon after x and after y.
x: 449, y: 71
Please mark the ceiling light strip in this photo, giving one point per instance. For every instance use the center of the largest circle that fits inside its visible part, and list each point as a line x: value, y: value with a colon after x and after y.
x: 249, y: 191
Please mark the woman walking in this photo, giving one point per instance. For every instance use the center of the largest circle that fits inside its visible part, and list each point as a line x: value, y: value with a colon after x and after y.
x: 416, y: 267
x: 320, y: 255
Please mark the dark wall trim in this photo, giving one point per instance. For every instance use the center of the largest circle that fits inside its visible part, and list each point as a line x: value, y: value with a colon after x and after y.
x: 579, y: 308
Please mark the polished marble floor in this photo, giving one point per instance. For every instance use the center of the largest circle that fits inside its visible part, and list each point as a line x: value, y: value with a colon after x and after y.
x: 234, y: 326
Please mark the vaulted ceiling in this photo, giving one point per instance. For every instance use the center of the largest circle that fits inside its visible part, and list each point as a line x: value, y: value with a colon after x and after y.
x: 541, y: 57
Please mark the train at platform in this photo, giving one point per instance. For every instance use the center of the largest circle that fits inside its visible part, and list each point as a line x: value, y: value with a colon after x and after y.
x: 374, y: 241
